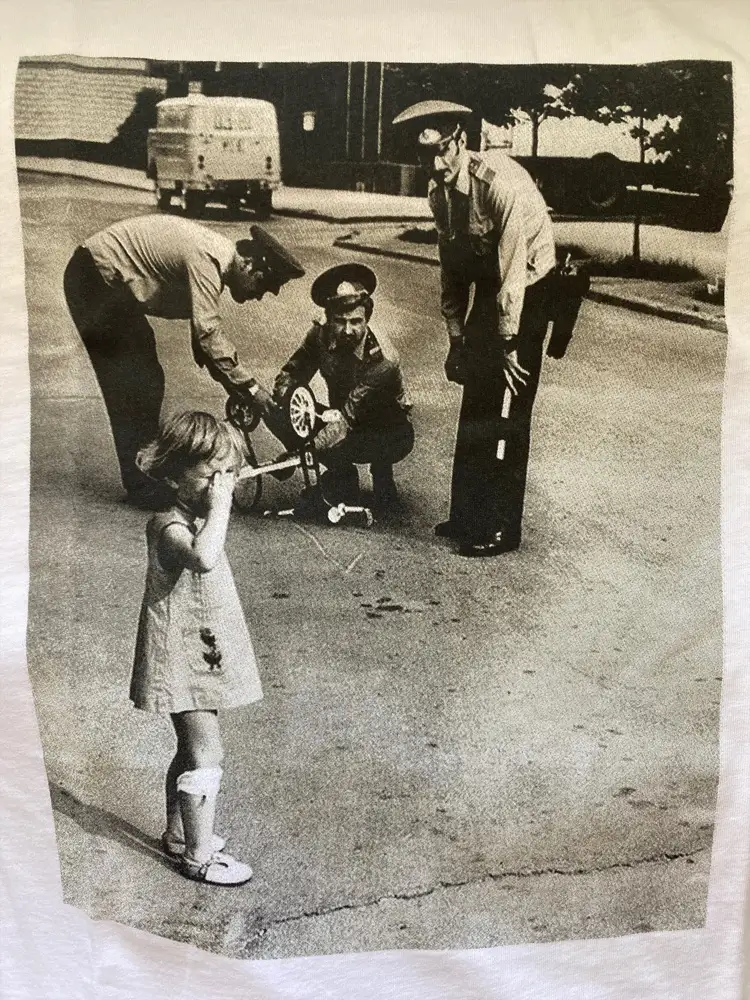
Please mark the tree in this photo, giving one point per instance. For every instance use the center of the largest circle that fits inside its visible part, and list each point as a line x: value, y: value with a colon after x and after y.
x: 539, y: 93
x: 128, y: 148
x: 640, y: 95
x: 680, y: 110
x: 701, y: 146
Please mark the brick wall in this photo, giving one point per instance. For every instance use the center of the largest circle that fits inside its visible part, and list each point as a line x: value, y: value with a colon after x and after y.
x: 77, y: 98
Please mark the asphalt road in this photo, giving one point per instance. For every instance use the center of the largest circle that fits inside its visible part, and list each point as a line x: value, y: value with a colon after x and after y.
x: 449, y: 753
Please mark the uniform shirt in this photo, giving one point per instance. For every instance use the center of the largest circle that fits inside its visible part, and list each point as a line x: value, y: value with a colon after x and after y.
x: 365, y: 384
x: 496, y: 208
x: 176, y: 269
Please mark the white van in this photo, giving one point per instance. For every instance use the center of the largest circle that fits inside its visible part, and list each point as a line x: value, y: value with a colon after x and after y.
x: 215, y: 149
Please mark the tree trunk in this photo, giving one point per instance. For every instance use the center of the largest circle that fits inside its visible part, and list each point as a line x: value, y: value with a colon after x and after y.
x: 639, y: 194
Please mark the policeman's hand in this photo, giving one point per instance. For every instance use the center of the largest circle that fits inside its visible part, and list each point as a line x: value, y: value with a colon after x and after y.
x: 263, y: 400
x: 515, y: 374
x: 331, y: 434
x: 455, y: 366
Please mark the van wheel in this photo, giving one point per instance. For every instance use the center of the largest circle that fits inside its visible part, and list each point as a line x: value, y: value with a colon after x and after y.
x: 164, y: 198
x: 605, y: 184
x: 192, y: 202
x: 234, y: 208
x: 263, y: 204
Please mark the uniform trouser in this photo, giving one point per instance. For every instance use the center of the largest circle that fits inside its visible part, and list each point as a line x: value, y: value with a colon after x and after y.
x: 494, y: 428
x: 121, y: 345
x: 379, y: 447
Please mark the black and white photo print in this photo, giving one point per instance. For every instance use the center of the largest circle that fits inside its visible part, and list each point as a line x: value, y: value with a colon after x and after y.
x: 375, y: 566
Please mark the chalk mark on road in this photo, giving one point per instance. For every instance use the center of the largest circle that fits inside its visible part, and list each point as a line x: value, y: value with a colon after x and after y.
x: 353, y: 563
x: 489, y: 877
x: 333, y: 559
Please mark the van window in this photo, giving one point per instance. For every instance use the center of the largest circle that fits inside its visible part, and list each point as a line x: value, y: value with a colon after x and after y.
x: 258, y: 118
x: 225, y: 119
x: 172, y: 117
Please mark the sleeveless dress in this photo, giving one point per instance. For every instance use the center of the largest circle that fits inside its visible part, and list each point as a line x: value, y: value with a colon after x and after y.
x: 193, y: 650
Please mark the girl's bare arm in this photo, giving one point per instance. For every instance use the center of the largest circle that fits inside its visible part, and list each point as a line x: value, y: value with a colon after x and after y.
x: 200, y: 552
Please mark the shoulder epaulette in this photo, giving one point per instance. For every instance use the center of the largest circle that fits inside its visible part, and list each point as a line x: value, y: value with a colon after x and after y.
x: 479, y: 169
x: 373, y: 350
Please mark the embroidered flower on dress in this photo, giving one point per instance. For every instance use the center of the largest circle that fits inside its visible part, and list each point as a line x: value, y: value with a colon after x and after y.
x: 212, y: 654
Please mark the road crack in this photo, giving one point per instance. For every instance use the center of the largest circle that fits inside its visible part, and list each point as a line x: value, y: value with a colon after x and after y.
x: 461, y: 883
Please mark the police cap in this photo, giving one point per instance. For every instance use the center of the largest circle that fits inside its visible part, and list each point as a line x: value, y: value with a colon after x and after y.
x: 439, y: 120
x: 267, y: 252
x: 343, y: 287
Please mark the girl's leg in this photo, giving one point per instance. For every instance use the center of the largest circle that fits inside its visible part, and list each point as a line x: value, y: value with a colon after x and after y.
x: 174, y: 814
x: 200, y: 752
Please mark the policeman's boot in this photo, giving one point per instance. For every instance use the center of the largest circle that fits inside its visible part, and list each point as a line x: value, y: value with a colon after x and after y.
x: 340, y: 484
x: 385, y: 493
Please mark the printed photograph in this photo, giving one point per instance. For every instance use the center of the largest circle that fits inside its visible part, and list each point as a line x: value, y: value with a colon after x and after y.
x: 375, y: 581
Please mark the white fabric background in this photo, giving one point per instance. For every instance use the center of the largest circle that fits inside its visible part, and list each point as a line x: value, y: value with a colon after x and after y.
x: 52, y: 951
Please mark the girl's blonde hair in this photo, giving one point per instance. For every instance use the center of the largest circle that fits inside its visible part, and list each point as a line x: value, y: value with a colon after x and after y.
x: 186, y: 440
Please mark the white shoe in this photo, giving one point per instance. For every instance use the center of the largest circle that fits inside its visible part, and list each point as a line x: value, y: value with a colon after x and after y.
x: 219, y: 869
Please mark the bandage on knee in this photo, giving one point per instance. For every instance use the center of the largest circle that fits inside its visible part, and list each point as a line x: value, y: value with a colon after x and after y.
x: 202, y: 781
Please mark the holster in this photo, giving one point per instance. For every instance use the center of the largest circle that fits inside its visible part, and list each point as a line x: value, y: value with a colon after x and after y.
x: 569, y: 284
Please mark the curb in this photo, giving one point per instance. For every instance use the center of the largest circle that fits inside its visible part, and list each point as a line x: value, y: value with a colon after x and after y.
x: 123, y: 178
x: 345, y: 243
x: 344, y: 220
x: 634, y: 303
x: 82, y: 171
x: 102, y: 174
x: 641, y: 305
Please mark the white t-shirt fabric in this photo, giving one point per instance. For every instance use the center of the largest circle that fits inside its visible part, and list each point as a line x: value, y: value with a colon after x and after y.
x: 55, y: 951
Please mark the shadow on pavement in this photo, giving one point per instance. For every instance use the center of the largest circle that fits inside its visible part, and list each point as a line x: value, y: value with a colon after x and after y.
x: 101, y: 823
x: 220, y: 213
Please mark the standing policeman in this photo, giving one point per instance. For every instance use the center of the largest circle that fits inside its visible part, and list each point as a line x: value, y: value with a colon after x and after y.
x: 495, y: 239
x: 155, y: 265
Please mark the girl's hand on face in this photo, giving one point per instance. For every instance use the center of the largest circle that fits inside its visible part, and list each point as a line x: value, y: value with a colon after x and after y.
x: 221, y: 489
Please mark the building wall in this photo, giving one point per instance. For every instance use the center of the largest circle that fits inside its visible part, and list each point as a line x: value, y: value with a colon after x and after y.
x: 77, y: 98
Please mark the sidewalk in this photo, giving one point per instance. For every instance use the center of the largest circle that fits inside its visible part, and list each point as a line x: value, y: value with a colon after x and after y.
x: 673, y: 300
x: 312, y: 203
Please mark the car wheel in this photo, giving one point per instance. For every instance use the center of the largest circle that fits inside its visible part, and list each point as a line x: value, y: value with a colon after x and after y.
x: 193, y: 202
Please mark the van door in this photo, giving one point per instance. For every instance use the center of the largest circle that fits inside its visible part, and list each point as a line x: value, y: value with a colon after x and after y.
x: 171, y: 151
x: 239, y: 142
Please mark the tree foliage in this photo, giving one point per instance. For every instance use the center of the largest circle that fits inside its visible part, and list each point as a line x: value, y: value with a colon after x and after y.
x: 697, y: 95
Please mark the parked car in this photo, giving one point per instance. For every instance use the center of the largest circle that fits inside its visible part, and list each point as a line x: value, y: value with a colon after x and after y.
x: 223, y: 149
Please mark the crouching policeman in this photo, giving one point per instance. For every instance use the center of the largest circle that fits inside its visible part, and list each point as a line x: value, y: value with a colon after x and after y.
x: 368, y: 420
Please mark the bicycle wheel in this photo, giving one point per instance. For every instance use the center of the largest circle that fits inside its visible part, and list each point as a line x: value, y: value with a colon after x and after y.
x: 300, y: 407
x: 247, y: 492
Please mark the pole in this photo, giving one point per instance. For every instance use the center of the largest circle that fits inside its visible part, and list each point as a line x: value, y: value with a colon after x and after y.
x: 380, y: 109
x: 364, y: 108
x: 348, y: 108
